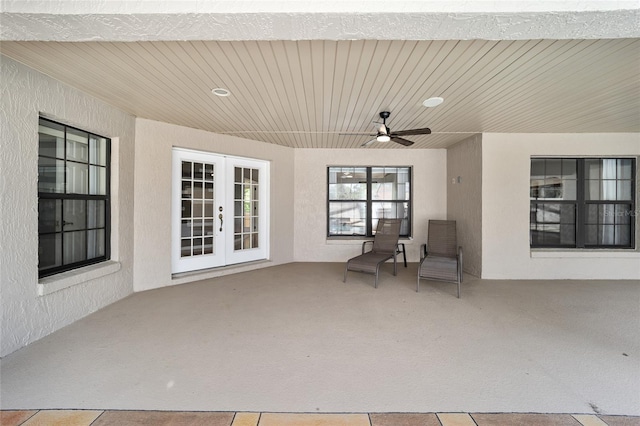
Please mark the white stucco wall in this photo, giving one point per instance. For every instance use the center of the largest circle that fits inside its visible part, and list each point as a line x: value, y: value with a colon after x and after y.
x: 429, y: 197
x: 27, y: 316
x: 464, y: 199
x: 505, y: 208
x: 154, y: 143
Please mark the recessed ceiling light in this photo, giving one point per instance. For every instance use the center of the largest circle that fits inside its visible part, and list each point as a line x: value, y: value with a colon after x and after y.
x: 219, y: 91
x: 383, y: 138
x: 433, y: 102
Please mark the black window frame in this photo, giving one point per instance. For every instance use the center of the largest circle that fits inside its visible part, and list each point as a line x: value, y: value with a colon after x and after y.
x: 581, y: 206
x: 369, y: 202
x: 68, y: 196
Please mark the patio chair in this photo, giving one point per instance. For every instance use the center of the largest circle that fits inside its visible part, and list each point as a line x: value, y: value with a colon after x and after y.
x: 385, y: 247
x: 441, y: 258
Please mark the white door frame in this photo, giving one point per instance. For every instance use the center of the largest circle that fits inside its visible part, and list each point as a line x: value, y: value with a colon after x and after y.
x: 231, y: 245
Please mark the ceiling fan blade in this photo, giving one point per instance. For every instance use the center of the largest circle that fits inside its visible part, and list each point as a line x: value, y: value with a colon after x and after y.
x: 401, y: 141
x: 357, y: 134
x: 368, y: 143
x: 423, y: 131
x: 383, y: 130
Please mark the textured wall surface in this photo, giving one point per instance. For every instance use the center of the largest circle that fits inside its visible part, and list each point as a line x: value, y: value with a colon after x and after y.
x: 154, y: 141
x: 464, y: 199
x: 332, y: 20
x: 505, y: 208
x: 26, y: 316
x: 429, y: 197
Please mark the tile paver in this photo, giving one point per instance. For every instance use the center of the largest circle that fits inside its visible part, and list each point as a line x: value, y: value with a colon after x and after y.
x: 161, y: 418
x: 524, y: 419
x: 589, y: 420
x: 15, y: 417
x: 456, y: 419
x: 246, y: 419
x: 293, y: 419
x: 621, y: 420
x: 404, y: 419
x: 63, y: 418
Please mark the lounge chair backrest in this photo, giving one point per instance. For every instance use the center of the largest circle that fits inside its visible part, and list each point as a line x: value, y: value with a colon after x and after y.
x: 387, y: 234
x: 442, y: 239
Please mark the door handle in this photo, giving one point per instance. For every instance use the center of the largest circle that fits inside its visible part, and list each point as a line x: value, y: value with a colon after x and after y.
x: 220, y: 217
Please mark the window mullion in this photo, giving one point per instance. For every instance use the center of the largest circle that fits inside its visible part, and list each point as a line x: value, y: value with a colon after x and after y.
x: 580, y: 204
x: 369, y: 203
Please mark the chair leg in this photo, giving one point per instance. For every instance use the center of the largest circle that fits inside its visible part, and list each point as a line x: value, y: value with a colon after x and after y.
x: 375, y: 285
x: 458, y: 288
x: 344, y: 280
x: 395, y: 265
x: 418, y: 285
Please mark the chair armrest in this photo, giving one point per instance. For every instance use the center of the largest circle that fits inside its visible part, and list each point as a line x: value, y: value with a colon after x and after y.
x: 364, y: 244
x: 423, y: 251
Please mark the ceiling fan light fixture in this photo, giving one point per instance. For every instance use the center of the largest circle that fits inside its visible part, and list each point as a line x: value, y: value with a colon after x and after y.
x: 219, y: 91
x: 383, y: 138
x: 433, y: 102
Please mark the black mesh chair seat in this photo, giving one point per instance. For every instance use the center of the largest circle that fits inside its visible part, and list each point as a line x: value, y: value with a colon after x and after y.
x: 441, y: 259
x: 385, y: 247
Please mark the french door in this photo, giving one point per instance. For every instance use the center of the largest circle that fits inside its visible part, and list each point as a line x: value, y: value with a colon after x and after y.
x: 219, y: 210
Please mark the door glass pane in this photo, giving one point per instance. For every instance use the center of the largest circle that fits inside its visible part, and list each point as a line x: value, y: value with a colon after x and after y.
x: 198, y: 227
x: 208, y: 227
x: 197, y: 208
x: 198, y: 171
x: 208, y: 172
x: 246, y: 192
x: 208, y: 246
x: 185, y: 247
x: 185, y: 229
x: 197, y: 198
x: 187, y: 169
x: 197, y: 246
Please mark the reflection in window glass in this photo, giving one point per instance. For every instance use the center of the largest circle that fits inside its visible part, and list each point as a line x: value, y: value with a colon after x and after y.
x: 359, y: 196
x: 73, y: 198
x: 605, y: 205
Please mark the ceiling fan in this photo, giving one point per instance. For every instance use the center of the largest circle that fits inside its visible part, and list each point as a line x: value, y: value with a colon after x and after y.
x: 385, y: 134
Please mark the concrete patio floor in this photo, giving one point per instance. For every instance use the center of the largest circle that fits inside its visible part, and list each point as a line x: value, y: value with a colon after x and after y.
x: 296, y: 339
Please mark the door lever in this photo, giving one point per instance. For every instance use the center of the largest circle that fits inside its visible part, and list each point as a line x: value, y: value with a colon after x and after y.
x: 220, y: 217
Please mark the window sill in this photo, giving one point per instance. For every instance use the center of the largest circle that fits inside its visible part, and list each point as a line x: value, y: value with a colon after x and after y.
x: 68, y: 279
x: 573, y: 253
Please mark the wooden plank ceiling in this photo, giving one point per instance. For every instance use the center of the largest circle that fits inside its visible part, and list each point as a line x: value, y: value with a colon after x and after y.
x: 303, y: 94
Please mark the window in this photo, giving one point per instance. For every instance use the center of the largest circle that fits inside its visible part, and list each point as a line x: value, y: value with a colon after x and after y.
x: 73, y: 198
x: 582, y: 202
x: 359, y: 196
